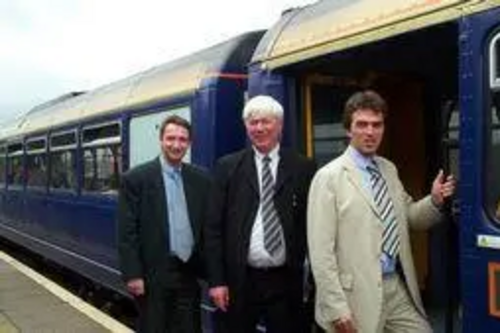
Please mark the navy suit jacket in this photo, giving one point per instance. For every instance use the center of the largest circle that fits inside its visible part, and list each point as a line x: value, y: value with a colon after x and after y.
x: 143, y: 232
x: 234, y: 202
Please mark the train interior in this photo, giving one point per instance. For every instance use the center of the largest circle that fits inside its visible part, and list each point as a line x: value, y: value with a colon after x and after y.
x: 417, y: 73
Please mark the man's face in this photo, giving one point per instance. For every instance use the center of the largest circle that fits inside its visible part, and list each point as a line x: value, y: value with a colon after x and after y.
x: 366, y: 131
x: 264, y: 132
x: 175, y: 142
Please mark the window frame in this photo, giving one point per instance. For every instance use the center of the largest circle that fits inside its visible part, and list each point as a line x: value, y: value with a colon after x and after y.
x: 494, y: 61
x: 105, y: 142
x: 17, y: 153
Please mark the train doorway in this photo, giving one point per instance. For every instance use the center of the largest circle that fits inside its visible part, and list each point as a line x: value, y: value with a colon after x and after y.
x: 418, y: 89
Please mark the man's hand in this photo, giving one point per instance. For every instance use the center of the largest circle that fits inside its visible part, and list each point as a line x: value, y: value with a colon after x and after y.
x: 136, y: 287
x: 344, y: 325
x: 442, y: 188
x: 220, y: 296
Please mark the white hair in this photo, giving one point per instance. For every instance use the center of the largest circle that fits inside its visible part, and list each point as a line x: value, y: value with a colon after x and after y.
x: 262, y: 105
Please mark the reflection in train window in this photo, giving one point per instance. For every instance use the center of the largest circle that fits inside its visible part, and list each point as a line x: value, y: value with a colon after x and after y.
x: 62, y: 170
x: 36, y: 170
x: 36, y: 163
x: 15, y: 174
x: 63, y: 161
x: 102, y: 169
x: 329, y: 135
x: 492, y: 185
x: 102, y: 158
x: 3, y: 164
x: 493, y: 159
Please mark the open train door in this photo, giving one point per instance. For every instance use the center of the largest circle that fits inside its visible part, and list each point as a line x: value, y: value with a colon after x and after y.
x: 444, y: 237
x: 480, y: 171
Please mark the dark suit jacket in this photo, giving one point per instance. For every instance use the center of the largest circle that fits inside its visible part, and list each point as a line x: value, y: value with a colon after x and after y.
x: 234, y: 202
x: 143, y: 232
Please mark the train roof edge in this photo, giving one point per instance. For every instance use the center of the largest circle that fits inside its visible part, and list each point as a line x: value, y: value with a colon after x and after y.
x: 332, y: 25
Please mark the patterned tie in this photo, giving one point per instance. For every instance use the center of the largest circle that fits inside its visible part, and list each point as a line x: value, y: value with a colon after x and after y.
x: 383, y: 201
x: 179, y: 220
x: 273, y: 241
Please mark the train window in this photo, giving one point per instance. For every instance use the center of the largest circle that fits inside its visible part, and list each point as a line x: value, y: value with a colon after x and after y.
x: 144, y: 133
x: 492, y: 189
x: 329, y: 135
x: 3, y: 164
x: 493, y: 160
x: 15, y: 173
x: 36, y: 163
x: 63, y: 161
x: 495, y: 62
x: 63, y: 140
x: 62, y: 170
x: 102, y: 159
x: 95, y: 135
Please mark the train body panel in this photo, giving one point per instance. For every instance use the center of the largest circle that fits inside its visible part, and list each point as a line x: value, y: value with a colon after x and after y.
x: 480, y: 184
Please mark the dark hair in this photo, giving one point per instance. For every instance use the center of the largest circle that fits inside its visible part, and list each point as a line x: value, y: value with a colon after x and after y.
x: 177, y: 120
x: 367, y: 99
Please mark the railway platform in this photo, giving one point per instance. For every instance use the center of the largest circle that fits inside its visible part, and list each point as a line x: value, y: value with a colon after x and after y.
x: 30, y: 302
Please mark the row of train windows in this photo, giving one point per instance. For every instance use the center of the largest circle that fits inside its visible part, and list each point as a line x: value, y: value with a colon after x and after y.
x: 101, y: 170
x: 36, y: 168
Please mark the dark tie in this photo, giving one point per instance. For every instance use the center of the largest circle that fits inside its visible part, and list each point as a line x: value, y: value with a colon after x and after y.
x: 273, y: 241
x: 385, y: 207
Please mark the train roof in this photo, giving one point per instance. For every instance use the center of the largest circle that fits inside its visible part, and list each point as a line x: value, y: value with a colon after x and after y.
x: 333, y: 25
x: 176, y: 78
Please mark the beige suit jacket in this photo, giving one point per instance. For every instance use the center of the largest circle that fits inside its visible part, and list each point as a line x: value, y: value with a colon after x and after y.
x: 345, y: 236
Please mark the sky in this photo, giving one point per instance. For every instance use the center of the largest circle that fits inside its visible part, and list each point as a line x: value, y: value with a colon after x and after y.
x: 52, y: 47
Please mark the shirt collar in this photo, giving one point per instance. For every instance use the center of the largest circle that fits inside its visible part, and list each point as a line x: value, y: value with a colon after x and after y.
x: 167, y: 167
x: 360, y: 160
x: 273, y: 154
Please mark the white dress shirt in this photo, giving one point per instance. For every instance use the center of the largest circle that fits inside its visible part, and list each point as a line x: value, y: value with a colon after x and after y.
x: 258, y: 256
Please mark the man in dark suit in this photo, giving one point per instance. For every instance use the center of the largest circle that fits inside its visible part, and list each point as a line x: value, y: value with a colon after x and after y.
x: 255, y: 237
x: 161, y: 208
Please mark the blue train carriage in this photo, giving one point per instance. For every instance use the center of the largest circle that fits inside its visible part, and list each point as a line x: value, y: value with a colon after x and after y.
x: 437, y: 62
x: 60, y: 164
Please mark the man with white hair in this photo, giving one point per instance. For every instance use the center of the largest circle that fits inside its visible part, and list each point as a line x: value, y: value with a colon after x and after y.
x: 255, y: 233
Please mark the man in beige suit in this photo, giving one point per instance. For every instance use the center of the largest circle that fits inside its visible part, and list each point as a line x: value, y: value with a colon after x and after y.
x: 358, y: 219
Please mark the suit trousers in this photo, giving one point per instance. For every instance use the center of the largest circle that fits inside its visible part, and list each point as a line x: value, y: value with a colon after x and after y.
x: 172, y: 305
x: 399, y: 314
x: 269, y: 300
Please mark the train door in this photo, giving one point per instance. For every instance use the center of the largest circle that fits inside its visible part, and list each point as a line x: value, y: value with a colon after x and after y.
x: 480, y: 176
x: 408, y: 142
x: 326, y: 139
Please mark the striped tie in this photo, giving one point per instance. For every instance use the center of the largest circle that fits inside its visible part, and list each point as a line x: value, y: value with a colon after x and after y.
x: 382, y: 199
x: 273, y: 241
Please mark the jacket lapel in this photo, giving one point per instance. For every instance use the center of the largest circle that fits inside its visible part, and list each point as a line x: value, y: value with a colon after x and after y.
x: 356, y: 178
x: 389, y: 179
x: 160, y: 196
x: 249, y: 170
x: 284, y: 169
